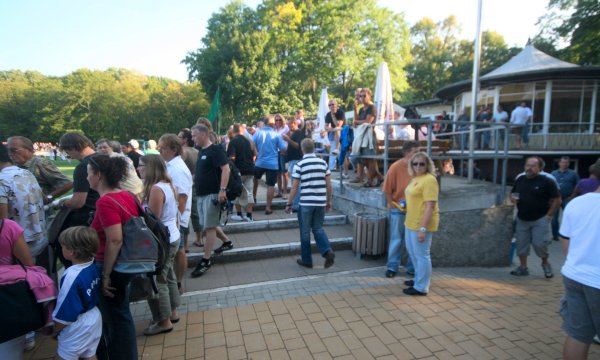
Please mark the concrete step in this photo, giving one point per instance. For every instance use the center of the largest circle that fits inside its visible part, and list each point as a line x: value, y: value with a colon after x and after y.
x: 276, y: 204
x: 288, y: 222
x: 248, y: 253
x: 276, y: 270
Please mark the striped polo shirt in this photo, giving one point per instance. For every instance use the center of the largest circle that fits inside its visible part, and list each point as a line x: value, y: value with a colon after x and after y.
x: 311, y: 171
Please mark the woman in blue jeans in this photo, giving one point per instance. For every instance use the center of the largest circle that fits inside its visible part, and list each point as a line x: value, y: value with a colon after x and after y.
x: 113, y: 209
x: 422, y: 219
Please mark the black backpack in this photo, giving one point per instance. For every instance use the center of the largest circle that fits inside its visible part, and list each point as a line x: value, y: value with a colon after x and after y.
x: 234, y: 185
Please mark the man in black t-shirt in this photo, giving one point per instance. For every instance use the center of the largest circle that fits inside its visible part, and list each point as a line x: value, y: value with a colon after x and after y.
x: 294, y: 152
x: 212, y: 176
x: 241, y: 151
x: 334, y: 121
x: 537, y: 199
x: 128, y: 150
x: 83, y: 202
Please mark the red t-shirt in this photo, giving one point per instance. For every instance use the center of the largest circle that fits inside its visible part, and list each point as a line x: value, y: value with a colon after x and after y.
x: 108, y: 213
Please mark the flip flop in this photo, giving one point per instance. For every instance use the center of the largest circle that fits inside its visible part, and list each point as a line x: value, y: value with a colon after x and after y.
x: 198, y: 245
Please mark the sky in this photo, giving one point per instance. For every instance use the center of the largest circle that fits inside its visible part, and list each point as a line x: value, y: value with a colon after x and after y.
x: 152, y: 37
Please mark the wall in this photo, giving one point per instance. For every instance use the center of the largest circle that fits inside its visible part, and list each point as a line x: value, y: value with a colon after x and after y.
x: 473, y: 231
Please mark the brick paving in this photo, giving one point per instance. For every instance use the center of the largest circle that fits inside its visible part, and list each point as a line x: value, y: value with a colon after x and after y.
x: 470, y: 313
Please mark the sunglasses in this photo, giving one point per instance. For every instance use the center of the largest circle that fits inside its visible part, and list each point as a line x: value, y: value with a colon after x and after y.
x: 95, y: 163
x: 362, y: 96
x: 422, y: 164
x: 331, y: 104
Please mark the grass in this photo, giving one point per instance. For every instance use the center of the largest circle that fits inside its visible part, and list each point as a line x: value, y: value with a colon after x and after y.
x: 66, y: 167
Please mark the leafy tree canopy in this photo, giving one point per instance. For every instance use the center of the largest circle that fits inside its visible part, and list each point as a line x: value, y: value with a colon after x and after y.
x: 571, y: 30
x: 278, y: 57
x: 115, y: 104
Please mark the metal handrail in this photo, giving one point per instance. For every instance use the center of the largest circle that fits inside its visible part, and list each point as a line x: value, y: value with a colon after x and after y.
x: 489, y: 126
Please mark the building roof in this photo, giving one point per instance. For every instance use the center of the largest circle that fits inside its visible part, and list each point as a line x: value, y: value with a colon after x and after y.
x: 530, y: 64
x: 529, y: 59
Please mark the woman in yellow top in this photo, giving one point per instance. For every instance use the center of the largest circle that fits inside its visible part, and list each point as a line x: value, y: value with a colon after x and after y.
x: 422, y: 219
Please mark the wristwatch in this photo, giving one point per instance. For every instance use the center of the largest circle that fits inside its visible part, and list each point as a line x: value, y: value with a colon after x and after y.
x: 223, y: 189
x: 422, y: 229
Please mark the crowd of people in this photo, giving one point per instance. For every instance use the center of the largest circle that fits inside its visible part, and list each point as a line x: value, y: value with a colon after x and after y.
x: 183, y: 180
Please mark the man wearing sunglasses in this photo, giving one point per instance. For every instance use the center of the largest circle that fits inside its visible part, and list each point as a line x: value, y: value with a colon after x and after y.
x: 52, y: 181
x: 334, y: 121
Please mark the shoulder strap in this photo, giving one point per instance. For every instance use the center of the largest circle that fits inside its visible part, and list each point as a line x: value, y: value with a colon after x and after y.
x: 140, y: 211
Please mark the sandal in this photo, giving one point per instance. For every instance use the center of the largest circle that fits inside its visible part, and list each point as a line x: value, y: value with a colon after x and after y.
x: 369, y: 185
x: 198, y: 244
x: 355, y: 181
x: 156, y: 329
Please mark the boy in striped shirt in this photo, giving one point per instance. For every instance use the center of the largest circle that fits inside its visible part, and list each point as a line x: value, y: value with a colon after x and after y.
x: 312, y: 178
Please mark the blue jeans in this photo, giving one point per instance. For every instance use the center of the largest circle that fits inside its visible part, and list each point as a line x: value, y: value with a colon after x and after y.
x: 312, y: 217
x: 118, y: 329
x: 396, y: 239
x: 421, y: 258
x: 555, y: 224
x: 296, y: 202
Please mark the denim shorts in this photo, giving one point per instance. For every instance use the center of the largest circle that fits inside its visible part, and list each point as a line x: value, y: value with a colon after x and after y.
x: 580, y: 311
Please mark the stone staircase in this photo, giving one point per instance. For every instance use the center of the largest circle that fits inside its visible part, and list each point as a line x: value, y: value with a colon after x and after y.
x: 270, y: 236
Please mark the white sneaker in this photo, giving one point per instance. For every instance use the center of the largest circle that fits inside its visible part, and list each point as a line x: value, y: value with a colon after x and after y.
x: 597, y: 339
x: 236, y: 217
x: 247, y: 219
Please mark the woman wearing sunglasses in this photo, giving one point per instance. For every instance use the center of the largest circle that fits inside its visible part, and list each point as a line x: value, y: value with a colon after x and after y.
x: 422, y: 219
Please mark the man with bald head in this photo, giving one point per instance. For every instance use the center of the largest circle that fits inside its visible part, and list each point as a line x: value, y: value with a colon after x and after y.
x: 52, y: 181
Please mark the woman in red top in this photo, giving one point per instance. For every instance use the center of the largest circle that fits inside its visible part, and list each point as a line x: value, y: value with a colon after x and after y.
x: 104, y: 175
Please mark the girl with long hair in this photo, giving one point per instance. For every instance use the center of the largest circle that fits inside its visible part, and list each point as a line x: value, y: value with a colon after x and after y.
x: 160, y: 197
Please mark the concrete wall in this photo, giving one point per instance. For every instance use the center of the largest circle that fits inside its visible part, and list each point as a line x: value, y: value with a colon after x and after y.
x: 473, y: 231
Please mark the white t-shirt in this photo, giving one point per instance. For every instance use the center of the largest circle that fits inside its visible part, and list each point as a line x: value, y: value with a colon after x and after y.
x: 581, y: 225
x: 520, y: 115
x: 182, y: 180
x: 20, y: 191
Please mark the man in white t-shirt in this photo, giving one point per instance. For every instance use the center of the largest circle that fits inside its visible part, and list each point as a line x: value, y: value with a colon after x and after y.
x: 521, y: 117
x: 580, y: 307
x: 170, y: 149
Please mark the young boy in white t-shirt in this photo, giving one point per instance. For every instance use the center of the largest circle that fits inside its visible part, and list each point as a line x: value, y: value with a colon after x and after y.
x: 77, y: 320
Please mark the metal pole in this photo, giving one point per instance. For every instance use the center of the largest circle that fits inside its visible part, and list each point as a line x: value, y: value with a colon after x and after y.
x: 474, y: 90
x: 385, y: 148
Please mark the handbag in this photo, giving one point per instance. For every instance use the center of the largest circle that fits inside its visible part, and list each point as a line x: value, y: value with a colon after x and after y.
x: 140, y: 250
x: 20, y: 312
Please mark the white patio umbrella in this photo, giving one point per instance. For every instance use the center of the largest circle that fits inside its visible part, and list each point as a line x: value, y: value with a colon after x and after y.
x: 384, y: 104
x: 323, y: 109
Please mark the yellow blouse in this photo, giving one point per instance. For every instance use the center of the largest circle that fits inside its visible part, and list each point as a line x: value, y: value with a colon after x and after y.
x: 421, y: 189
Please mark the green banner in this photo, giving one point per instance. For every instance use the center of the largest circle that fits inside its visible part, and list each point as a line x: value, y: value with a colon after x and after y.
x: 213, y: 113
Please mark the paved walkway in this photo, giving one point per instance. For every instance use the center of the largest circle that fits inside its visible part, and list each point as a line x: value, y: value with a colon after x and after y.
x: 470, y: 313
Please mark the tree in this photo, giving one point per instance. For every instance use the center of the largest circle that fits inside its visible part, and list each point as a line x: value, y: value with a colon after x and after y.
x: 116, y: 104
x: 575, y: 23
x: 433, y: 50
x: 440, y: 58
x: 278, y: 58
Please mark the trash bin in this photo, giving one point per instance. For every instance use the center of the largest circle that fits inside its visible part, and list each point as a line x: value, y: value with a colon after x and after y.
x: 370, y: 234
